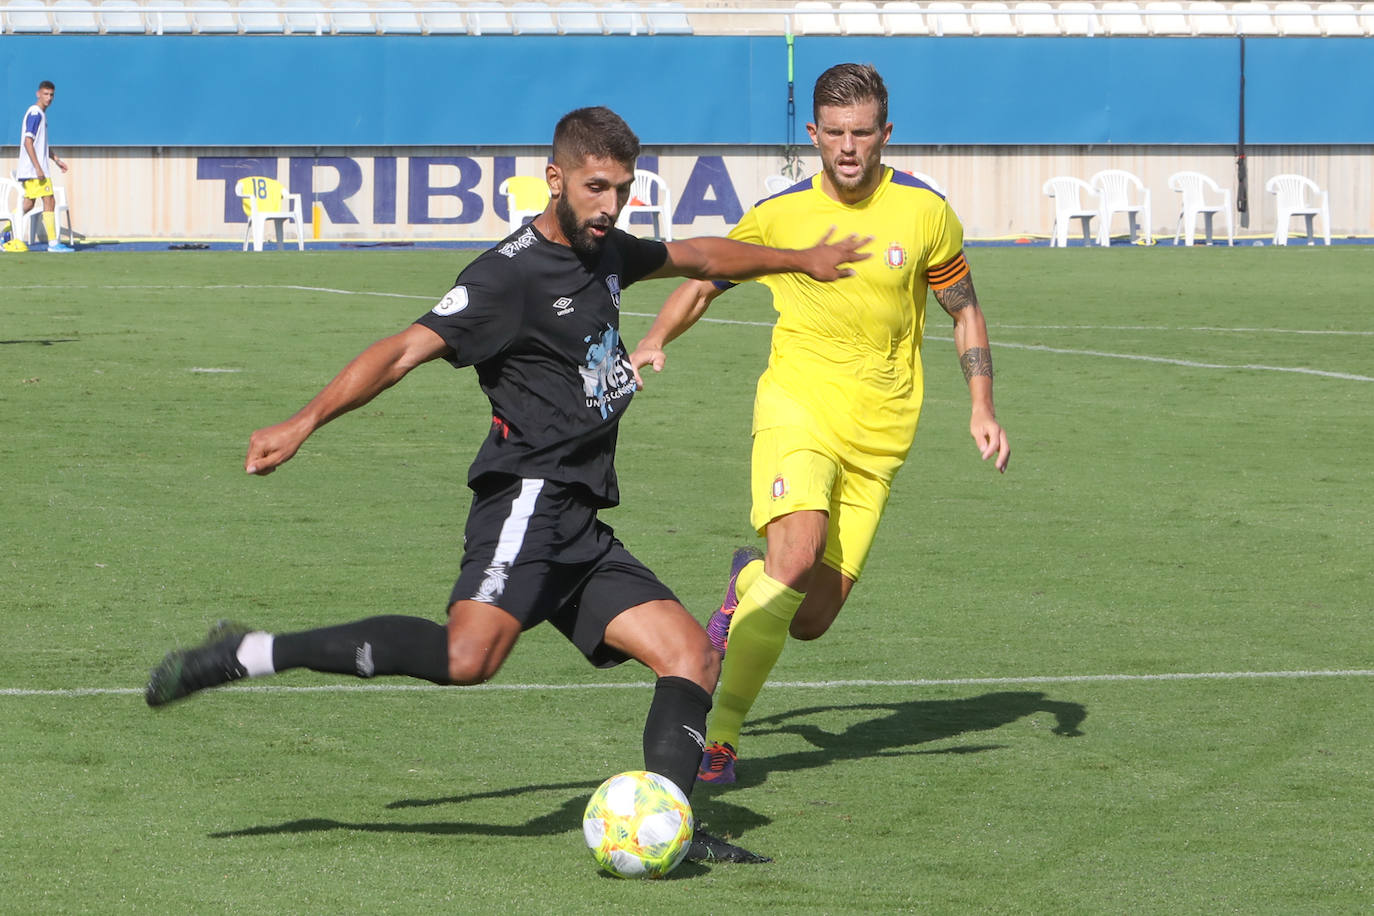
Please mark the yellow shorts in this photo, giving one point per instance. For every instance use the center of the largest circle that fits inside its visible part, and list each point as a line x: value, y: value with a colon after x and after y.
x: 793, y: 471
x: 37, y: 188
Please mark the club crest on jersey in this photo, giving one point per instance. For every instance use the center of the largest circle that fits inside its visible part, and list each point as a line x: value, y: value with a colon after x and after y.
x: 613, y: 284
x: 896, y: 256
x: 563, y: 306
x: 779, y: 487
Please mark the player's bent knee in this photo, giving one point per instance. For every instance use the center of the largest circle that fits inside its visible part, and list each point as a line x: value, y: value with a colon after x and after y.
x: 465, y: 670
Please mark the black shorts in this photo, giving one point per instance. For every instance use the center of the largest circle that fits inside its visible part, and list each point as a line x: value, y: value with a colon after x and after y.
x: 536, y: 550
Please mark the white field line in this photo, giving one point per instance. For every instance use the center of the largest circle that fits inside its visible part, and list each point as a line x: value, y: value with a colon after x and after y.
x: 997, y: 344
x: 795, y: 685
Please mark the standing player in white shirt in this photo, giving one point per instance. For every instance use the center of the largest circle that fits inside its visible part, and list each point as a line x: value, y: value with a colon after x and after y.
x: 34, y: 155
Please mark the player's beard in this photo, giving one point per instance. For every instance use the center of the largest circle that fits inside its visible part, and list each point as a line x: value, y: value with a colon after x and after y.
x: 861, y: 182
x: 579, y: 235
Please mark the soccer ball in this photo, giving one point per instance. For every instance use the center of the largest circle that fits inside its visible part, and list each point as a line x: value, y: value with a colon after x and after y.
x: 638, y: 825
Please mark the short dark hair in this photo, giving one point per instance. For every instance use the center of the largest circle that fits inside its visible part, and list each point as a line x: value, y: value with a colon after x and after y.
x: 849, y: 84
x: 597, y: 133
x: 47, y: 84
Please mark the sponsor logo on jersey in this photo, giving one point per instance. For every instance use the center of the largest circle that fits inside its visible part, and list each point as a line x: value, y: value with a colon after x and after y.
x: 779, y: 487
x: 607, y: 374
x: 896, y: 256
x: 613, y: 284
x: 518, y: 244
x: 563, y: 306
x: 455, y: 301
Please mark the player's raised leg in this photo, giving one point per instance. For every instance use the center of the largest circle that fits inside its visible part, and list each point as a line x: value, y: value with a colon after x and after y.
x: 384, y: 645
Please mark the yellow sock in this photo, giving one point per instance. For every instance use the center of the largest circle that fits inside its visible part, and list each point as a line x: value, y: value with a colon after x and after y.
x: 50, y: 225
x: 758, y: 632
x: 747, y: 577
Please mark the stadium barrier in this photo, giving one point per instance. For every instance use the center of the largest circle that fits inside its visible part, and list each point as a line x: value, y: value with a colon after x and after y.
x: 1186, y: 18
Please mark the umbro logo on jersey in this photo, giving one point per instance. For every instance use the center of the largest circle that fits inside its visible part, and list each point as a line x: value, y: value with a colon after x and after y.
x: 563, y: 306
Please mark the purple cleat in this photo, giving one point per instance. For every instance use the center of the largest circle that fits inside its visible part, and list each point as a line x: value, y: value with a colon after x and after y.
x: 718, y: 627
x: 717, y: 764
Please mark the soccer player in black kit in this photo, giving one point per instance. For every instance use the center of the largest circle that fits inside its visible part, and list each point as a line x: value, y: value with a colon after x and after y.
x: 538, y: 317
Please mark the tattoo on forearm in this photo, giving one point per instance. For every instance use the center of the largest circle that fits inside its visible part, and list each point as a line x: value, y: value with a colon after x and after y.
x: 976, y: 361
x: 954, y: 299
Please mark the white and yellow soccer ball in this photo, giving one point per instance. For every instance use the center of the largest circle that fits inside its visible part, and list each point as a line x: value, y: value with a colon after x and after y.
x: 638, y: 825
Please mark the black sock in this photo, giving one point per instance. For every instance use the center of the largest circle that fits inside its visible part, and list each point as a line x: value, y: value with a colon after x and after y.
x: 391, y: 644
x: 674, y: 732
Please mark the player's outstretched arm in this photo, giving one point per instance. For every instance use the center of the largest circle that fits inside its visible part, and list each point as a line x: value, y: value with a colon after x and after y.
x: 370, y: 373
x: 975, y: 358
x: 726, y: 259
x: 680, y: 311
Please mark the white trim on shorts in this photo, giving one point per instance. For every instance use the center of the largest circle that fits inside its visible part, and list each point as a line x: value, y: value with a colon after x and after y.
x: 508, y: 545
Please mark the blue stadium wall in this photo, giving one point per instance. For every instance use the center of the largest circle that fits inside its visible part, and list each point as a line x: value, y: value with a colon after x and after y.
x: 307, y: 91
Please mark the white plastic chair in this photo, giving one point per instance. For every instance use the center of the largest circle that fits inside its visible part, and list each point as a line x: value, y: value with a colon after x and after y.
x: 1209, y: 17
x: 668, y: 17
x: 1291, y: 193
x: 27, y: 17
x: 1253, y: 18
x: 1166, y: 17
x: 261, y: 17
x: 1035, y: 17
x: 931, y: 182
x: 213, y: 17
x: 532, y: 17
x: 860, y: 17
x: 442, y: 17
x: 1116, y: 188
x: 488, y: 19
x: 1193, y: 186
x: 1367, y: 17
x: 169, y: 17
x: 1067, y: 193
x: 579, y: 22
x: 814, y: 17
x: 624, y: 17
x: 776, y: 184
x: 991, y: 17
x: 266, y: 201
x: 304, y: 17
x: 12, y: 206
x: 398, y: 21
x: 642, y: 201
x: 351, y: 17
x: 1079, y: 17
x: 1296, y: 19
x: 947, y: 17
x: 904, y: 17
x: 526, y: 197
x: 1122, y: 17
x: 74, y: 17
x: 1339, y: 20
x: 122, y: 17
x: 25, y: 226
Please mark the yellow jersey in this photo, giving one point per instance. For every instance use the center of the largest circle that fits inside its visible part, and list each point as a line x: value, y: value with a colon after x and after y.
x: 845, y: 360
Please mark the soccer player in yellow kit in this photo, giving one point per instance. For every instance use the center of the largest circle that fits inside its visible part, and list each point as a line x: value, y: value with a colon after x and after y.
x: 835, y: 413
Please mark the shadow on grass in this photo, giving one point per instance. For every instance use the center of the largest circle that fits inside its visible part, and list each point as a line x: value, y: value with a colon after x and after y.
x: 905, y: 725
x: 899, y: 731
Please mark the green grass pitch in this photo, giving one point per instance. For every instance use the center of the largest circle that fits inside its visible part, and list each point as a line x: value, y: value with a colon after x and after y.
x: 1133, y: 675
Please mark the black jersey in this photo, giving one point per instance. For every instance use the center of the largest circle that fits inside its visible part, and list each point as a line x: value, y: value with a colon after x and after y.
x: 542, y: 327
